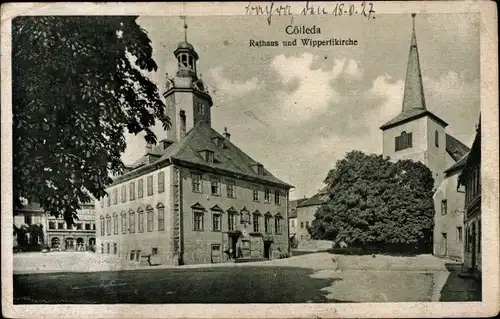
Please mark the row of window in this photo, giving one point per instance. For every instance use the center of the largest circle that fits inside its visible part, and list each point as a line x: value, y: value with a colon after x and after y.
x: 471, y: 236
x: 215, y: 189
x: 129, y: 193
x: 134, y: 254
x: 199, y: 222
x: 473, y: 186
x: 110, y: 224
x: 77, y: 226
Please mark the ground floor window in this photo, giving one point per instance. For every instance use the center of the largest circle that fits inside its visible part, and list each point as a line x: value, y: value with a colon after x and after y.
x: 107, y: 248
x: 132, y: 255
x: 459, y: 234
x: 154, y: 251
x: 115, y: 248
x: 138, y: 255
x: 102, y: 248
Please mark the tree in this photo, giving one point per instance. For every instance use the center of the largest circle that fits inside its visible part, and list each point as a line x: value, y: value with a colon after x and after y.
x: 78, y: 86
x: 375, y: 202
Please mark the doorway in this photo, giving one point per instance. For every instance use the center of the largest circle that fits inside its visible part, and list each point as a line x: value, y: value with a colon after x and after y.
x: 267, y: 249
x: 216, y: 256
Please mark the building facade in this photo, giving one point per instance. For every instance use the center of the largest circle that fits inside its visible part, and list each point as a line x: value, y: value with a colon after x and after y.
x: 419, y: 135
x: 292, y: 221
x: 34, y: 229
x: 78, y: 237
x: 195, y: 197
x: 449, y: 215
x: 471, y: 179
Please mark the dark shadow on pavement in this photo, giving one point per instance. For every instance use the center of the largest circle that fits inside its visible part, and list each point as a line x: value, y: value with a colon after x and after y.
x: 197, y: 285
x: 457, y: 288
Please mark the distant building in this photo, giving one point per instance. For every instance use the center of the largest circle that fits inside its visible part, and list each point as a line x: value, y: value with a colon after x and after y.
x: 78, y: 237
x: 35, y: 229
x: 471, y: 179
x: 419, y: 135
x: 305, y: 215
x: 30, y: 222
x: 195, y: 197
x: 292, y: 221
x: 449, y: 215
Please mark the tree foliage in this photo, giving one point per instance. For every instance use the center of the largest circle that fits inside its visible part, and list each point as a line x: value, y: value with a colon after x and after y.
x: 78, y: 86
x: 375, y: 202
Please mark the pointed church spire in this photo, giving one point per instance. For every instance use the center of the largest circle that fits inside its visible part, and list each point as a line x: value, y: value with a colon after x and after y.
x: 413, y: 97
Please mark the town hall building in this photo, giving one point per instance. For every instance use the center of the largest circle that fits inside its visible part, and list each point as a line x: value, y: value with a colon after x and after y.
x: 195, y: 197
x: 418, y: 134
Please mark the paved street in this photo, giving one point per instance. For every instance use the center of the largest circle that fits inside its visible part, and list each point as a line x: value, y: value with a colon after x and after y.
x: 308, y: 278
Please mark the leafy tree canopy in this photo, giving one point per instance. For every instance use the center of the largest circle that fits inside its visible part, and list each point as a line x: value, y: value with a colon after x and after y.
x: 373, y: 201
x: 78, y: 86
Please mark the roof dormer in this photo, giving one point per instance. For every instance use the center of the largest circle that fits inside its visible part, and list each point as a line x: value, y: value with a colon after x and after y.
x: 258, y: 168
x: 207, y: 155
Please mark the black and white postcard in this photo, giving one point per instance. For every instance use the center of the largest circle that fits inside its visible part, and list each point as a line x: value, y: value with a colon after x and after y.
x: 250, y: 159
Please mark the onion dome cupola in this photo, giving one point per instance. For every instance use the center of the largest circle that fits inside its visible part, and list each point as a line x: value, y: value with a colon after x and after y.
x: 186, y: 57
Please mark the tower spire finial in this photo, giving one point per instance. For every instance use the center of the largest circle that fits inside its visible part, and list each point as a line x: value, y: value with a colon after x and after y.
x: 413, y: 97
x: 185, y: 27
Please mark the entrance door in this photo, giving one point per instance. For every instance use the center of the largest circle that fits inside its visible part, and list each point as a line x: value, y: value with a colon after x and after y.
x: 473, y: 247
x: 232, y: 246
x: 445, y: 244
x: 70, y: 244
x: 267, y: 249
x: 216, y: 254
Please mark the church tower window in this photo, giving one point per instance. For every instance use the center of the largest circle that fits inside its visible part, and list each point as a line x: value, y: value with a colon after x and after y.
x: 403, y: 141
x: 436, y: 138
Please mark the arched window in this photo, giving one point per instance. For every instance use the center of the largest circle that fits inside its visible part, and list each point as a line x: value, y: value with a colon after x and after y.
x: 161, y: 216
x: 103, y: 226
x: 124, y: 222
x: 436, y: 138
x: 131, y: 221
x: 115, y: 223
x: 108, y: 224
x: 149, y: 218
x: 140, y: 220
x: 403, y: 141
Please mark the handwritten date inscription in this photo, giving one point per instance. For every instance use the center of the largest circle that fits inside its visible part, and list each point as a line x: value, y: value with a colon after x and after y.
x: 337, y: 9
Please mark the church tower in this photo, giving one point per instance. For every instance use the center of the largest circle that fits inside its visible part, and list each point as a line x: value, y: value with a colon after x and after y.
x: 416, y: 133
x: 187, y: 99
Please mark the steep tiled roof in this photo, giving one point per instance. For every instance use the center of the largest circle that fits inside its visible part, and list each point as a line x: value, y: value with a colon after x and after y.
x: 227, y: 158
x: 458, y: 165
x: 414, y: 105
x: 30, y: 207
x: 314, y: 200
x: 410, y: 115
x: 455, y: 148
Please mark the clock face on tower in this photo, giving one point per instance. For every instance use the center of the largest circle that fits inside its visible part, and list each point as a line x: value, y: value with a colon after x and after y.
x: 168, y: 84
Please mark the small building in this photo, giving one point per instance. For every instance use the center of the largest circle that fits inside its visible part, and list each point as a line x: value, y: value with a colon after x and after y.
x: 471, y: 179
x: 30, y: 222
x: 448, y: 236
x: 195, y: 197
x: 305, y: 216
x: 292, y: 221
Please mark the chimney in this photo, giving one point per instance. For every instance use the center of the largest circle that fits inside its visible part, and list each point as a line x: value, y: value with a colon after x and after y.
x: 226, y: 134
x: 182, y: 127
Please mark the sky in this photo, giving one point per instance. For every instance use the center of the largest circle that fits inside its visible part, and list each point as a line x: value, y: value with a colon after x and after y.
x: 297, y: 110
